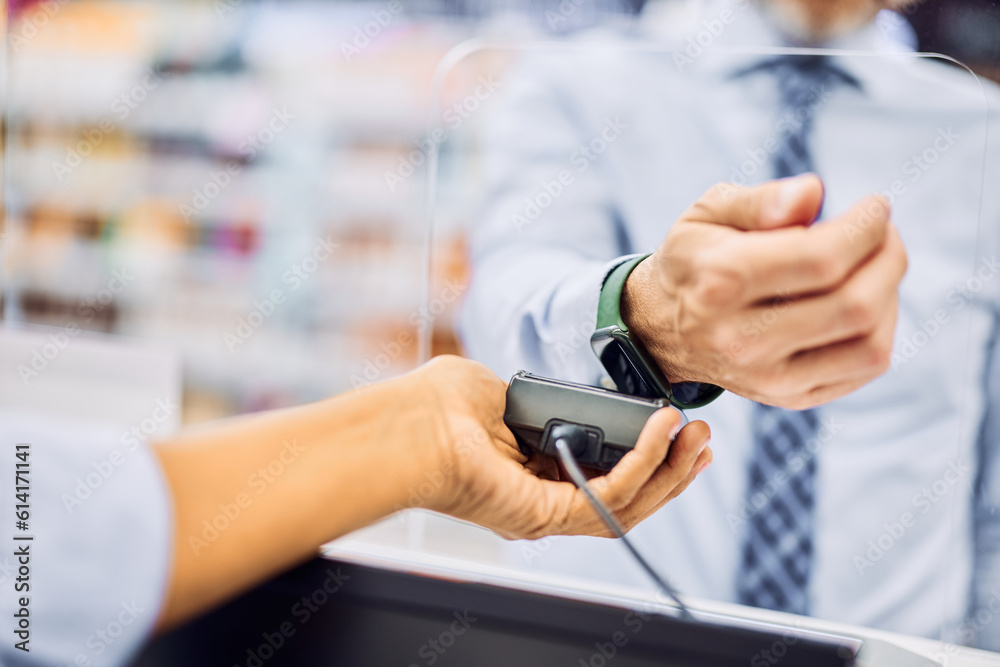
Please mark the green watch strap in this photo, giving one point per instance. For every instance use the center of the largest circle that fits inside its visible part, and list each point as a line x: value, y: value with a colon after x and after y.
x: 610, y: 302
x: 609, y: 315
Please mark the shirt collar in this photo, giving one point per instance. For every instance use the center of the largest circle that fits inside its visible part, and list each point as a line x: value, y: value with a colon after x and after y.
x: 685, y: 26
x: 748, y: 27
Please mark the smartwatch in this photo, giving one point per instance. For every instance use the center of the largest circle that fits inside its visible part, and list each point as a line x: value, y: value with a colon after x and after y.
x: 630, y: 366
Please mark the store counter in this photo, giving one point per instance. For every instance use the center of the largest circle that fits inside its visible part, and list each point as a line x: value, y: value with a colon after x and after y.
x: 371, y: 605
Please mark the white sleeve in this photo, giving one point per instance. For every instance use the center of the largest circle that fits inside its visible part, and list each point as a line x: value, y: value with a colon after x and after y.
x: 547, y: 237
x: 96, y: 569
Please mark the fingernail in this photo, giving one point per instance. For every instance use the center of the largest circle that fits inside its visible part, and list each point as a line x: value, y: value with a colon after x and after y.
x: 703, y: 466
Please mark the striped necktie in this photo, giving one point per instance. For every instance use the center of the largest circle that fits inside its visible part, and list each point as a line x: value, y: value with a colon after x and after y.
x: 777, y: 547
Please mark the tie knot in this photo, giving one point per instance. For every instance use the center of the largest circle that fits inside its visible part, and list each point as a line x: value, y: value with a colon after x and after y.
x: 804, y: 85
x: 802, y: 77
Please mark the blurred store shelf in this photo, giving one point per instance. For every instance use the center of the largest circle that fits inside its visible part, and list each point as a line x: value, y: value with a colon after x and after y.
x: 211, y: 175
x: 173, y: 164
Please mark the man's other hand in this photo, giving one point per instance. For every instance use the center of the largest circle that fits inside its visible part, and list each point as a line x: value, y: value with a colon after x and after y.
x: 747, y: 294
x: 488, y: 480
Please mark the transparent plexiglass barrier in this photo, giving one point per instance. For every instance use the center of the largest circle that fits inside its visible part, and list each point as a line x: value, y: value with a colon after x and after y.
x: 223, y: 206
x: 548, y: 160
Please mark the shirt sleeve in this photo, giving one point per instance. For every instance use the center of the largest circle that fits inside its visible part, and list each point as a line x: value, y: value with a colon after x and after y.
x: 548, y: 233
x: 87, y: 588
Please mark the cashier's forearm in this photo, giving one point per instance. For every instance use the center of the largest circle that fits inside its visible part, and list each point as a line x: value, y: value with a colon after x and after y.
x: 258, y: 494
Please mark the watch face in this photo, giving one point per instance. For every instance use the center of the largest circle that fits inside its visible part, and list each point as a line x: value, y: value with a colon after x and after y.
x: 625, y: 372
x: 693, y: 393
x: 633, y: 373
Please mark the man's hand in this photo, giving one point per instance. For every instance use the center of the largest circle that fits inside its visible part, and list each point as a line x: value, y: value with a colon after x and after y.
x: 744, y: 294
x: 487, y: 480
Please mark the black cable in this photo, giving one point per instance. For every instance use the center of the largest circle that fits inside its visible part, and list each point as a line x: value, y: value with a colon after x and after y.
x: 564, y: 446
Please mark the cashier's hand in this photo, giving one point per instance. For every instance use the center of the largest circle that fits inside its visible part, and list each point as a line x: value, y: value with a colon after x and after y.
x: 487, y: 480
x: 744, y: 294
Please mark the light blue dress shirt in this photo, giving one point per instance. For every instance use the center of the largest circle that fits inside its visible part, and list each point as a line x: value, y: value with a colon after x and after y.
x: 98, y: 565
x: 908, y: 533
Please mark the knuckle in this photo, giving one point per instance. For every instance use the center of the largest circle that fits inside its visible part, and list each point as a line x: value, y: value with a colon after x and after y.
x: 776, y: 385
x: 722, y: 191
x: 751, y: 356
x: 720, y: 339
x: 824, y: 267
x: 703, y: 209
x: 860, y: 313
x: 691, y: 317
x: 879, y: 355
x: 871, y: 215
x: 717, y: 288
x: 707, y: 206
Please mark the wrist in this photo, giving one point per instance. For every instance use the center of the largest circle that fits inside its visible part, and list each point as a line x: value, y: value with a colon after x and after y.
x: 651, y: 324
x: 383, y: 439
x: 424, y: 449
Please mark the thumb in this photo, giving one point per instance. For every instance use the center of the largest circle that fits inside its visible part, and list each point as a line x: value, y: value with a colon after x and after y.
x: 780, y: 203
